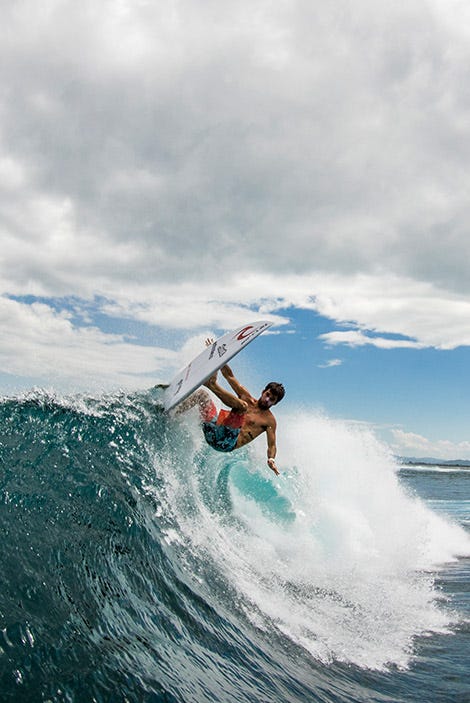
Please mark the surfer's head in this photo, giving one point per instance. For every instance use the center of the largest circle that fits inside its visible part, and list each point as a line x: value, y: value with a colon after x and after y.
x: 271, y: 395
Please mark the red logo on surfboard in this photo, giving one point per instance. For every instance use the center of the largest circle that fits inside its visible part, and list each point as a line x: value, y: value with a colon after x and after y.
x: 243, y: 333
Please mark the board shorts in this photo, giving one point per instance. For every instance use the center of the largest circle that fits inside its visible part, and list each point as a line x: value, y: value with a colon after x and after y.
x: 221, y: 431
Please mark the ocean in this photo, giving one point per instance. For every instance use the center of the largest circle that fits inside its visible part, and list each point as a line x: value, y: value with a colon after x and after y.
x: 138, y: 565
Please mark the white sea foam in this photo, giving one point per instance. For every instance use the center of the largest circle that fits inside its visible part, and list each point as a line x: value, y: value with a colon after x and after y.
x: 334, y: 554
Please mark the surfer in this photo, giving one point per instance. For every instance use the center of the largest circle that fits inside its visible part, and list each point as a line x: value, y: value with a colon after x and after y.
x: 247, y: 418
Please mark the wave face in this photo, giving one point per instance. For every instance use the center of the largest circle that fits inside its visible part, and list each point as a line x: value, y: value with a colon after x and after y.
x: 139, y: 565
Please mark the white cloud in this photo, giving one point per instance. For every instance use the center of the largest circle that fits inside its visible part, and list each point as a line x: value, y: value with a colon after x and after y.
x: 411, y: 444
x: 39, y: 342
x: 330, y: 363
x: 183, y: 133
x: 355, y: 338
x: 421, y: 312
x: 190, y: 163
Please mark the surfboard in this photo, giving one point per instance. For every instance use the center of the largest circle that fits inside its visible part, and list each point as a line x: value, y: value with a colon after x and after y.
x: 211, y: 360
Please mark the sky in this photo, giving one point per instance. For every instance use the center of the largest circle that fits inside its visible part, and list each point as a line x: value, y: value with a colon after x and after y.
x: 172, y: 170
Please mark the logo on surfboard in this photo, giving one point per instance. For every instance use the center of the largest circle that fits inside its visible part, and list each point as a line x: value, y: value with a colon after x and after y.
x: 243, y: 333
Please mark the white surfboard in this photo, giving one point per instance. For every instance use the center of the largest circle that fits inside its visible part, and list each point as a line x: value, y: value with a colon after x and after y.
x: 209, y: 361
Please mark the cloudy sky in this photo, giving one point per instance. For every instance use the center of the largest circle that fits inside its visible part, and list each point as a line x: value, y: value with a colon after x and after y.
x: 173, y: 168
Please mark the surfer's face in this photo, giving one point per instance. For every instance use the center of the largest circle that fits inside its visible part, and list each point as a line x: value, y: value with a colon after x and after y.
x: 267, y: 400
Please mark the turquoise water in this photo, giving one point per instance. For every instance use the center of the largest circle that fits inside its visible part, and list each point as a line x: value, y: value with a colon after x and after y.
x: 138, y: 565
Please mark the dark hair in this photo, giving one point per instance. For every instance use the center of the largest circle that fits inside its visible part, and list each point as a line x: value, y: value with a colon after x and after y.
x: 277, y: 389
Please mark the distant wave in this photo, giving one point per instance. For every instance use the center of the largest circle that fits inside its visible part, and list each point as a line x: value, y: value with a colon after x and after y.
x: 442, y: 468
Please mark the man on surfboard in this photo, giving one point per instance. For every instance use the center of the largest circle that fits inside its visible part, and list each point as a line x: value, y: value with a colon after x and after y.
x: 246, y: 419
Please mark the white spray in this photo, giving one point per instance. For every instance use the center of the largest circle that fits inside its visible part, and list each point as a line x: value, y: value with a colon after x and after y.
x: 346, y: 570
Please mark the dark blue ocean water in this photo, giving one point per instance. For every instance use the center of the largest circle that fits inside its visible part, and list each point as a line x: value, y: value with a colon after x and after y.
x: 138, y: 565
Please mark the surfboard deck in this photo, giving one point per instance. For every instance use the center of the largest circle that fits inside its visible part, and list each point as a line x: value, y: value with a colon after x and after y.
x: 211, y: 360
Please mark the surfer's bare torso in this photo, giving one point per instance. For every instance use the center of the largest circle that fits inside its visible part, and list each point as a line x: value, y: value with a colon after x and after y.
x: 255, y: 422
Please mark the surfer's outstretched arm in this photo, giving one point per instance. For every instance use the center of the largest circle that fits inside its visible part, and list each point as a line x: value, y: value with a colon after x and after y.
x: 271, y: 437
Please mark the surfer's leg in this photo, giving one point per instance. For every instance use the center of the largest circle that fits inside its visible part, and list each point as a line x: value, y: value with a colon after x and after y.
x: 226, y: 397
x: 200, y: 398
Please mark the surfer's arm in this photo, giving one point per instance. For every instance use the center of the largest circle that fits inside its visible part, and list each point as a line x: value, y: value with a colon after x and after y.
x: 240, y: 390
x: 271, y: 436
